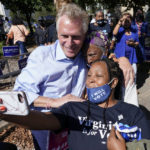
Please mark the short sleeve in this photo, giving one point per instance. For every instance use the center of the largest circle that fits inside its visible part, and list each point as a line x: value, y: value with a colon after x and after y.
x: 120, y: 33
x: 61, y: 114
x: 25, y: 30
x: 142, y: 122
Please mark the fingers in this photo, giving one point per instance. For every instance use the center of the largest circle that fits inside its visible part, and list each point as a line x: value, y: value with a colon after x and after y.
x: 119, y: 136
x: 3, y: 109
x: 112, y: 132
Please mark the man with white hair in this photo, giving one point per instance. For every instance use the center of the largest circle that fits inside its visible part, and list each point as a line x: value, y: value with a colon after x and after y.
x: 54, y: 71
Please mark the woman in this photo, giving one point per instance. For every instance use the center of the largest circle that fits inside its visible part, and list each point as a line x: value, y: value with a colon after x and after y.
x: 126, y: 43
x: 142, y: 28
x: 89, y: 122
x: 127, y: 40
x: 19, y: 32
x: 97, y: 48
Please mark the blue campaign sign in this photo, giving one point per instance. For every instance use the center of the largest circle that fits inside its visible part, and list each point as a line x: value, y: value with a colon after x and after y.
x: 10, y: 51
x: 22, y: 63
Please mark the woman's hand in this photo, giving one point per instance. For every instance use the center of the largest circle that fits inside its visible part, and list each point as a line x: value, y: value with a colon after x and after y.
x: 115, y: 141
x: 132, y: 43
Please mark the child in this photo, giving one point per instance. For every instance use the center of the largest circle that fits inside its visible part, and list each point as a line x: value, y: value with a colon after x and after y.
x: 89, y: 122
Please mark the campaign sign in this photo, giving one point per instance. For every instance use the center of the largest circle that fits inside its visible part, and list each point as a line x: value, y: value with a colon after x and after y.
x: 58, y: 141
x: 22, y: 63
x: 9, y: 51
x: 147, y: 53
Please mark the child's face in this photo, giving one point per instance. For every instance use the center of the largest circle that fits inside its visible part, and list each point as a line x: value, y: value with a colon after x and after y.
x: 93, y: 53
x: 97, y: 75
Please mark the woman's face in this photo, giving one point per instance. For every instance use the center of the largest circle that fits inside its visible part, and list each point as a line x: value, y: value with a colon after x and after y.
x: 97, y: 75
x: 93, y: 53
x: 127, y: 22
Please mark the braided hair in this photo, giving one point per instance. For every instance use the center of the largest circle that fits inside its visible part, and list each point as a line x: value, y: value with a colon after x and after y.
x: 114, y: 71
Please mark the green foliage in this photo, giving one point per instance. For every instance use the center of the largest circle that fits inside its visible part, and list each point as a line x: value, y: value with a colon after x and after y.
x: 27, y: 7
x: 111, y: 4
x: 2, y: 43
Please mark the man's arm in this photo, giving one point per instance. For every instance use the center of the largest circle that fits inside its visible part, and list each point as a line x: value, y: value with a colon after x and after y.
x: 47, y: 102
x: 35, y: 121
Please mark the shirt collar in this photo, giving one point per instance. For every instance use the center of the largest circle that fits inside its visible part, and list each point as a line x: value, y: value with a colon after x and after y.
x: 60, y: 55
x: 59, y: 52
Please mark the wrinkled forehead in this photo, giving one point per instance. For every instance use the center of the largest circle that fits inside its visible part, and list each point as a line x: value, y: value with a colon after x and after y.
x: 94, y: 48
x: 69, y: 20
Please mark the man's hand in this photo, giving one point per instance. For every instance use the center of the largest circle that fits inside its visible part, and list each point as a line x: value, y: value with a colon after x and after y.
x: 115, y: 141
x: 47, y: 102
x: 127, y: 69
x: 67, y: 98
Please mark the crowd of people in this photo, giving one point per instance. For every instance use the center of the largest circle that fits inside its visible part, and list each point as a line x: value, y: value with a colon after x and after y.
x: 77, y: 82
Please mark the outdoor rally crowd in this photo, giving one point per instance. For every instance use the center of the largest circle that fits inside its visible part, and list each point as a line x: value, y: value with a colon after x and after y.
x: 84, y: 81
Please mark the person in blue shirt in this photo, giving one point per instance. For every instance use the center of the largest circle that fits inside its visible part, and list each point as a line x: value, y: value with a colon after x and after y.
x: 127, y: 39
x: 126, y: 43
x: 142, y: 28
x: 56, y: 74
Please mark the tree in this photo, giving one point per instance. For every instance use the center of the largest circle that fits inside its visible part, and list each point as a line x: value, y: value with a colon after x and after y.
x: 135, y: 4
x: 111, y: 4
x: 26, y: 7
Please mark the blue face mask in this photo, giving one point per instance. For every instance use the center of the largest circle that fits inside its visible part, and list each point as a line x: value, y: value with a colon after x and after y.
x: 99, y: 94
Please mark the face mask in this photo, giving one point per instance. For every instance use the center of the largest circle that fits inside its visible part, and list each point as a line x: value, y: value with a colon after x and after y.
x: 99, y: 94
x: 100, y: 22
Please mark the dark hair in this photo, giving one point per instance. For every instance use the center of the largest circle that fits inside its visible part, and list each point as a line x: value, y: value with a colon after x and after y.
x: 99, y: 11
x: 17, y: 21
x: 114, y: 71
x: 128, y: 14
x: 42, y: 23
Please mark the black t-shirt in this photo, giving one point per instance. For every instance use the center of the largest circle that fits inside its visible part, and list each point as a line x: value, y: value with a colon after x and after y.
x: 41, y: 36
x: 92, y: 135
x: 52, y: 33
x: 104, y: 28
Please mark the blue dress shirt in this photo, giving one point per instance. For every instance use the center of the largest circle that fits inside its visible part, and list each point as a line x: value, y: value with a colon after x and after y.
x: 51, y: 74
